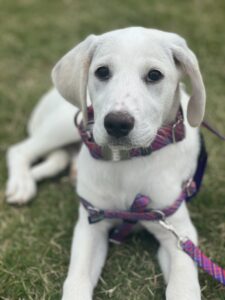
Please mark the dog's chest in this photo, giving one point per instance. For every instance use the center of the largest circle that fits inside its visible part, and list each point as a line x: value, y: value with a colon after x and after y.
x: 114, y: 185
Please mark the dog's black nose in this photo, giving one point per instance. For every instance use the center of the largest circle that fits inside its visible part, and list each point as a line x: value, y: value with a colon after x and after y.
x: 118, y: 124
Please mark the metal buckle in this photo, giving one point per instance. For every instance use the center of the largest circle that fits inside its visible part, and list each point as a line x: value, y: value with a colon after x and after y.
x: 146, y: 151
x: 168, y: 226
x: 124, y: 154
x: 189, y: 189
x: 117, y: 155
x: 76, y: 118
x: 106, y: 153
x: 160, y: 213
x: 174, y: 130
x: 95, y: 215
x: 93, y: 209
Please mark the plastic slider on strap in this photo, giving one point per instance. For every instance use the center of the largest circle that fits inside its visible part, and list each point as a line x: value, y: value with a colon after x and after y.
x: 95, y: 215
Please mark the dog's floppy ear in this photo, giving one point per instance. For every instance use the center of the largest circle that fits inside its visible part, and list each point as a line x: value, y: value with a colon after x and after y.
x: 189, y: 64
x: 70, y: 74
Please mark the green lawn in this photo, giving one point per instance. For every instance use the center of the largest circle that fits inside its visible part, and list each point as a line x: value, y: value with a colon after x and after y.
x: 35, y: 240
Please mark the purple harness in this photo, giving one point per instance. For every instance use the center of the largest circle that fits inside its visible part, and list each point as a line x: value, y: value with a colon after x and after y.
x: 138, y: 211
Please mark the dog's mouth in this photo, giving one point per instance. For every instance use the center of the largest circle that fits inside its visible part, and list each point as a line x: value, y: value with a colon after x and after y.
x: 136, y: 139
x: 127, y: 143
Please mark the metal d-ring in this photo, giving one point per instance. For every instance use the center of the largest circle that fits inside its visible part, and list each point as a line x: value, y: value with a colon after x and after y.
x: 76, y: 118
x: 168, y: 226
x: 160, y: 213
x: 174, y: 129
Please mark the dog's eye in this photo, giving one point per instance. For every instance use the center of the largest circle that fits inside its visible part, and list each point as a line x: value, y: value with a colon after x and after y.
x: 103, y: 73
x: 154, y: 75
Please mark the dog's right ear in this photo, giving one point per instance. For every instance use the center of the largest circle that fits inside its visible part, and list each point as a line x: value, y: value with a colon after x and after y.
x: 70, y: 74
x: 189, y: 64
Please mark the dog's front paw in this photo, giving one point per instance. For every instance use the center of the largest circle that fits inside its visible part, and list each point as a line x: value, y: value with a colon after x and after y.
x: 185, y: 293
x: 76, y: 290
x: 20, y: 188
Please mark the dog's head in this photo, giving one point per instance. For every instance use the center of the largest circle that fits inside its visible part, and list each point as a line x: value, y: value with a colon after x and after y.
x: 132, y: 77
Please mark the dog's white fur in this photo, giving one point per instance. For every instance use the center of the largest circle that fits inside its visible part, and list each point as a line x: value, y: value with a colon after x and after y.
x: 130, y: 54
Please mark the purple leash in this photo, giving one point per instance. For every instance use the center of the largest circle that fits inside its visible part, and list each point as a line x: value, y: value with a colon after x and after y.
x: 195, y: 253
x: 203, y: 261
x: 213, y: 130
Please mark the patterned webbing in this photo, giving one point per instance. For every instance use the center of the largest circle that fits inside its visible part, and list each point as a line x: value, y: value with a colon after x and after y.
x: 166, y: 135
x: 203, y: 261
x: 137, y: 212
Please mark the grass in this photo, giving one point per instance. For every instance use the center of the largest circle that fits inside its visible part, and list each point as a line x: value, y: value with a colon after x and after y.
x: 35, y: 240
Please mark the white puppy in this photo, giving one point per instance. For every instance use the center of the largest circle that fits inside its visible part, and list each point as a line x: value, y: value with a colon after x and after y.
x: 136, y: 72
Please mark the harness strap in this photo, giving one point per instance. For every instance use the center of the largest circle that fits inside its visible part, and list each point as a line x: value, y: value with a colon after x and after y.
x: 137, y: 212
x: 118, y: 234
x: 97, y: 215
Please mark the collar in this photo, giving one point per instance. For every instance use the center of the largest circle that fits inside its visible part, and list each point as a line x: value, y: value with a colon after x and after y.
x: 166, y: 135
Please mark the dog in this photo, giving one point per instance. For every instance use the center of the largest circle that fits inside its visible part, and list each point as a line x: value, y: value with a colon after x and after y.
x: 132, y: 77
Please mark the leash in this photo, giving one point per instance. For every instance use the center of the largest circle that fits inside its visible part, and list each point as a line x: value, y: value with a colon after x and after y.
x: 202, y: 261
x: 212, y: 130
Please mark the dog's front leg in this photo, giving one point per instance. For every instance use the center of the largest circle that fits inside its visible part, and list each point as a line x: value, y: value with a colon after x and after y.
x: 89, y: 249
x: 179, y: 270
x: 182, y: 274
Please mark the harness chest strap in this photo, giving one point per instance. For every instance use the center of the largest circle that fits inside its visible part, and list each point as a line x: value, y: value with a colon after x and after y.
x: 137, y: 212
x: 132, y: 215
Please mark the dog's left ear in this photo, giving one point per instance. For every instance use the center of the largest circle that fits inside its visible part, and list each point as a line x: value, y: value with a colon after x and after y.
x: 70, y: 74
x: 189, y: 64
